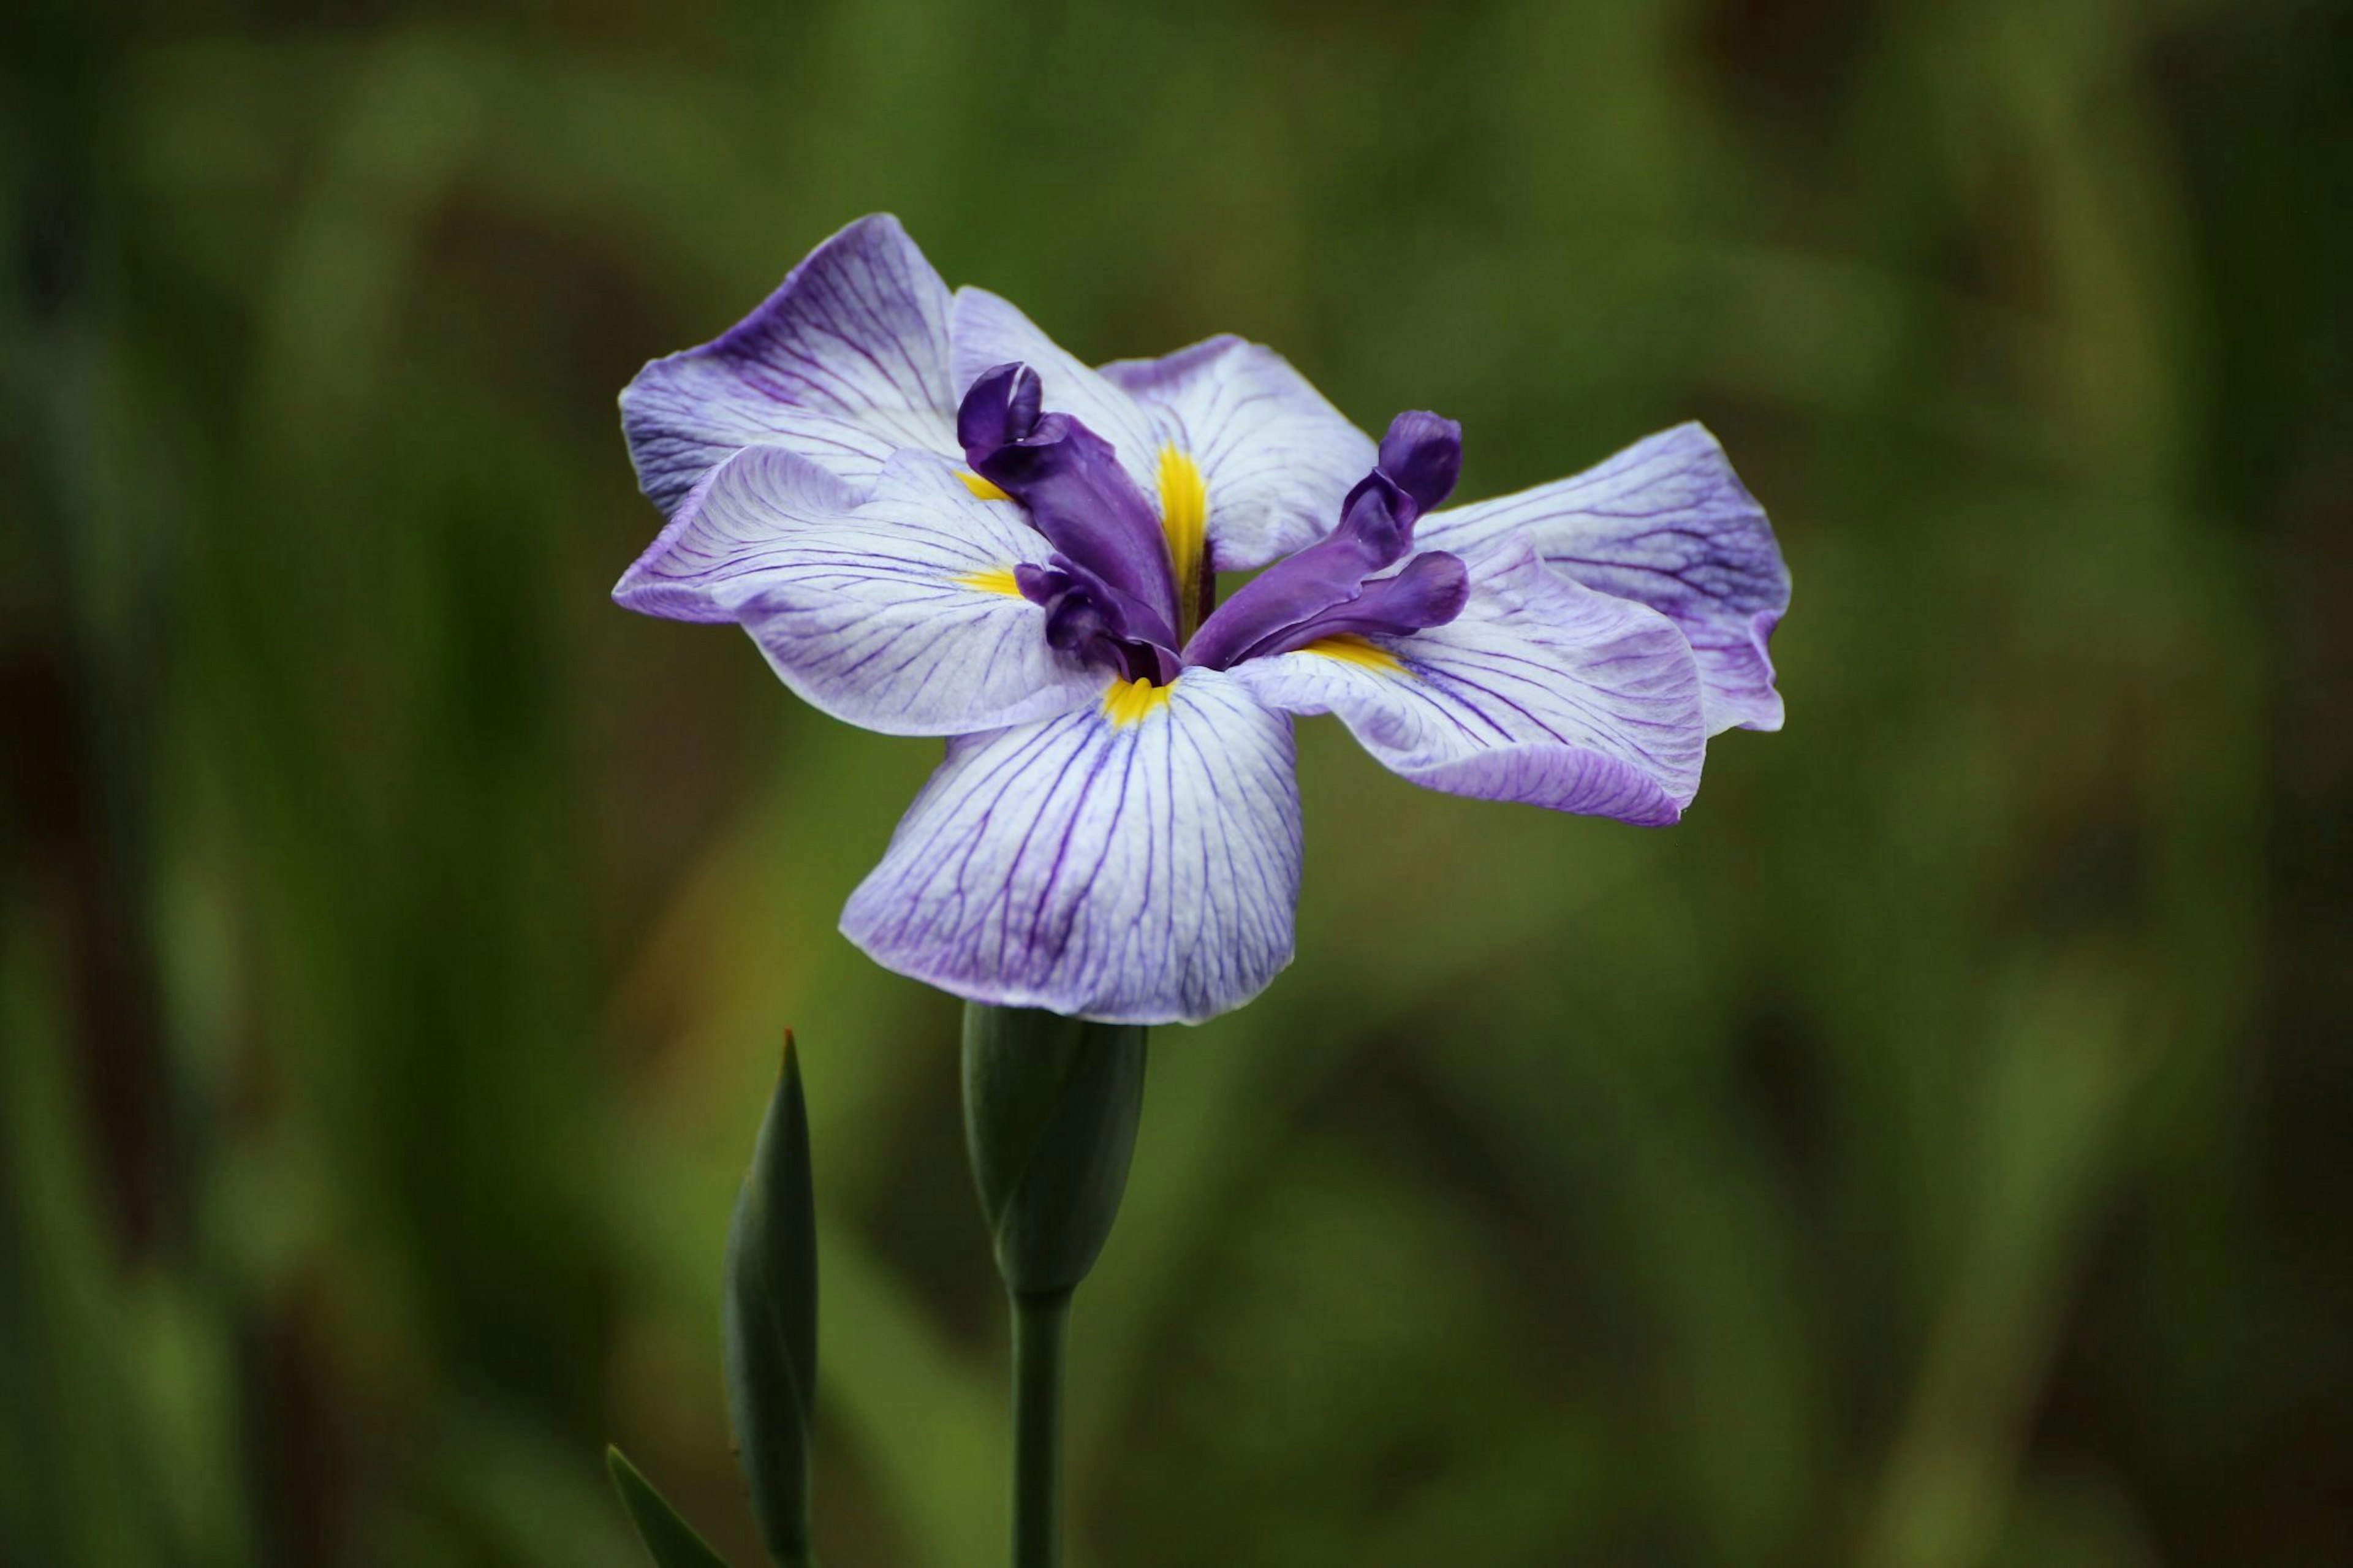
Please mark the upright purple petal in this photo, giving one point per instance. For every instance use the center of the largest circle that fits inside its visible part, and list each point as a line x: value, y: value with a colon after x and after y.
x: 1428, y: 590
x: 1541, y: 691
x: 1077, y: 495
x: 843, y: 364
x: 902, y: 615
x: 1423, y: 455
x: 1666, y: 523
x: 1268, y: 613
x: 1275, y: 458
x: 987, y: 333
x: 1136, y: 861
x: 1001, y: 407
x: 1298, y: 587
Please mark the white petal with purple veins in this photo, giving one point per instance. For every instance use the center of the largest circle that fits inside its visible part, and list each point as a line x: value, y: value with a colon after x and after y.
x: 1666, y: 523
x: 902, y: 616
x: 985, y: 331
x: 1542, y: 691
x: 1136, y: 860
x: 844, y: 364
x: 728, y: 537
x: 1275, y: 457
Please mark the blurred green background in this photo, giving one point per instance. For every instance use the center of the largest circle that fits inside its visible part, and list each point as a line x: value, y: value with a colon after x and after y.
x: 1935, y: 1152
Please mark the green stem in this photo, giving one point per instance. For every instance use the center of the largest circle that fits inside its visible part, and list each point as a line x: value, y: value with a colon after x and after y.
x: 1039, y: 1319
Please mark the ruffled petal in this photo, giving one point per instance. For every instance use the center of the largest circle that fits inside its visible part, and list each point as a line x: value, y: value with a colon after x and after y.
x: 1541, y: 690
x: 730, y: 535
x: 1275, y: 457
x: 904, y: 616
x: 985, y: 331
x: 844, y: 364
x: 1666, y: 523
x: 1135, y: 861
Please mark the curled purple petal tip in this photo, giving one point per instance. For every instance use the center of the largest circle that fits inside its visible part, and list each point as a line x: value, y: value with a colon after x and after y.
x: 1422, y: 453
x: 1001, y: 408
x: 1329, y: 588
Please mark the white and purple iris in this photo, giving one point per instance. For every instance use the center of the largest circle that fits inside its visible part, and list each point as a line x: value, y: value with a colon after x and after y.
x: 933, y: 521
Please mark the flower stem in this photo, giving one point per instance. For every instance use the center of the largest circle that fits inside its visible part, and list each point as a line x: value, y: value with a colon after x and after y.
x: 1050, y: 1108
x: 1039, y: 1319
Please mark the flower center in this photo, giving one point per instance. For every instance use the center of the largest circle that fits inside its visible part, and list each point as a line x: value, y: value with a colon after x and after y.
x: 1129, y: 589
x: 1110, y: 588
x: 1130, y: 702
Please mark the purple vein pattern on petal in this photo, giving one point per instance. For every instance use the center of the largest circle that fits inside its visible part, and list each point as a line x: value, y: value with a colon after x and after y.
x: 903, y: 616
x: 1541, y: 690
x: 1140, y: 872
x: 1667, y: 524
x: 844, y: 364
x: 985, y: 331
x: 728, y: 535
x: 1276, y: 458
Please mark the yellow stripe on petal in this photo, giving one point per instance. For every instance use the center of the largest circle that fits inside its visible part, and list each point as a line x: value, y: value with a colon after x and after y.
x: 982, y: 488
x: 1127, y: 703
x: 1185, y: 518
x: 996, y: 580
x: 1350, y: 648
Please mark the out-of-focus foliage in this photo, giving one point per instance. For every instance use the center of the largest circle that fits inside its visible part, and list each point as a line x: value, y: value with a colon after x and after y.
x: 1931, y: 1154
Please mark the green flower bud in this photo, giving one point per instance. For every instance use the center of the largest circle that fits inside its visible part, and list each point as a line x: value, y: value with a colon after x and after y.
x: 1051, y: 1111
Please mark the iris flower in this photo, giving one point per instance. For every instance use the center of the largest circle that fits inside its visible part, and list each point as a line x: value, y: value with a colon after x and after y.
x: 934, y: 522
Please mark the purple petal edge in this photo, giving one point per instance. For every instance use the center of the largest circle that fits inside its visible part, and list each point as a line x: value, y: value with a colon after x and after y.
x: 845, y: 363
x: 1666, y: 522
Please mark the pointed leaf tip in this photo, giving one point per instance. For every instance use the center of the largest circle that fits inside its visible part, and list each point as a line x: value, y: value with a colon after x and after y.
x: 668, y: 1540
x: 769, y: 1319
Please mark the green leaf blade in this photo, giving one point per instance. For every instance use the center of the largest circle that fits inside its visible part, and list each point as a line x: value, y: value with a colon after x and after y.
x: 769, y: 1321
x: 668, y: 1540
